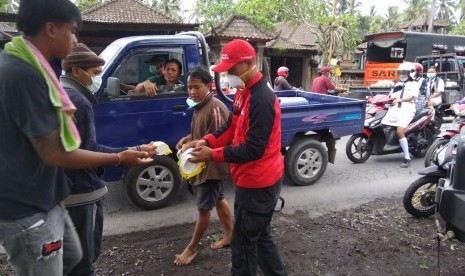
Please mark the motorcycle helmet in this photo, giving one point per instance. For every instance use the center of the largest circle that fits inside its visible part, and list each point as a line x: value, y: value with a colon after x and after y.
x: 418, y: 68
x: 405, y: 71
x: 283, y: 71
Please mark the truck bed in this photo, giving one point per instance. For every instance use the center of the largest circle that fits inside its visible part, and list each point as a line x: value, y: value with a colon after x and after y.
x: 316, y: 112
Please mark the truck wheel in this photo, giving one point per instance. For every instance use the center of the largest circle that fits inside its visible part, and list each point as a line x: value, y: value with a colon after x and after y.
x: 305, y: 161
x: 359, y: 148
x: 155, y: 185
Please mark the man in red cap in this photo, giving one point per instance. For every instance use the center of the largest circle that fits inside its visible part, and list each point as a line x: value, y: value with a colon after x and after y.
x: 323, y: 84
x: 251, y: 141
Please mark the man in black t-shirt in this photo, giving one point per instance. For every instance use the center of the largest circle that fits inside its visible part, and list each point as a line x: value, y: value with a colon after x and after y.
x: 35, y: 229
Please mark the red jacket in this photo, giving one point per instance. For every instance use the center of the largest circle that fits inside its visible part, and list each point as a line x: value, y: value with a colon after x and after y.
x: 251, y: 138
x: 322, y: 84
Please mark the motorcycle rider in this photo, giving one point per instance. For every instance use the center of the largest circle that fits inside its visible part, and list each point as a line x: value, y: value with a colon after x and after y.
x: 422, y: 95
x: 280, y: 82
x: 435, y: 87
x: 403, y: 109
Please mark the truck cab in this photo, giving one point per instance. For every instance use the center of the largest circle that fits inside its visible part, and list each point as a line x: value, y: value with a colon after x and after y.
x: 450, y: 68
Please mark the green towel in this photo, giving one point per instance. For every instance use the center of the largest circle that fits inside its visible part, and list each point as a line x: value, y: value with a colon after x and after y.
x: 69, y: 134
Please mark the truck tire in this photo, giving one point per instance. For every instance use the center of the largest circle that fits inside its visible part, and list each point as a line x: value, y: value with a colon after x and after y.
x: 305, y: 161
x: 359, y: 148
x: 155, y: 185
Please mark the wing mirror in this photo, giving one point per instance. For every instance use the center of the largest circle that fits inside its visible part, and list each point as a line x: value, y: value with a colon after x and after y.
x: 113, y: 87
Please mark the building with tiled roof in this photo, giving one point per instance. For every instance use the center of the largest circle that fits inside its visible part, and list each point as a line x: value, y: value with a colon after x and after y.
x: 114, y: 19
x: 421, y: 25
x: 6, y: 33
x: 237, y: 26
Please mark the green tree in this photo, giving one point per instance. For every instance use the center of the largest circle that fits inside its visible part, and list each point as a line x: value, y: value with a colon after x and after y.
x: 169, y: 7
x: 445, y: 10
x: 459, y: 29
x: 211, y: 12
x: 265, y: 13
x: 346, y: 7
x: 392, y: 19
x: 10, y: 6
x: 415, y: 9
x: 461, y: 7
x: 87, y: 4
x: 336, y: 34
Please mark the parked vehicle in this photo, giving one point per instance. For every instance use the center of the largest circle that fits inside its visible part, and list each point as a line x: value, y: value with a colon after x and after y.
x: 123, y: 119
x: 385, y: 51
x: 419, y: 198
x: 448, y: 131
x: 450, y: 193
x: 378, y: 140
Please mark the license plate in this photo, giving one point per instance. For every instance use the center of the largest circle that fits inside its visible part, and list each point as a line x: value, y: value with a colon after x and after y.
x: 450, y: 126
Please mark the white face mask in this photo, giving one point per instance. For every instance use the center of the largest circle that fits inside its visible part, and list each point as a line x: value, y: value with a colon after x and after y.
x: 235, y: 81
x: 95, y: 85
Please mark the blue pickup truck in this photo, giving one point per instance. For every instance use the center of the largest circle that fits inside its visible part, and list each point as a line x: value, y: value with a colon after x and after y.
x: 124, y: 119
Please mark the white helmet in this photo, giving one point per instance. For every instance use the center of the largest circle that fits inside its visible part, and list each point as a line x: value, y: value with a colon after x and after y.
x: 406, y: 70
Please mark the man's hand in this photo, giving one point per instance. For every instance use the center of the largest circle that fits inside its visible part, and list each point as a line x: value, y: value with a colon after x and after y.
x: 131, y: 158
x: 195, y: 143
x: 183, y: 141
x: 148, y: 87
x: 149, y: 148
x: 201, y: 153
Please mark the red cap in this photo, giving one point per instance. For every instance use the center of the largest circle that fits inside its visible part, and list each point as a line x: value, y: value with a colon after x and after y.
x: 236, y: 51
x: 325, y: 69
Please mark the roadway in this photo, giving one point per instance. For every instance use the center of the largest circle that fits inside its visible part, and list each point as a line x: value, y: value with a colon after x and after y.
x: 344, y: 185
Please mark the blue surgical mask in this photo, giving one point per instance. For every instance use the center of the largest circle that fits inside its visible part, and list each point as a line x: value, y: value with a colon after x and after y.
x: 191, y: 103
x: 95, y: 85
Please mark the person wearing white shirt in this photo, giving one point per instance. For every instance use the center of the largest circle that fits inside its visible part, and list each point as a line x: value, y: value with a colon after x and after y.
x: 434, y: 88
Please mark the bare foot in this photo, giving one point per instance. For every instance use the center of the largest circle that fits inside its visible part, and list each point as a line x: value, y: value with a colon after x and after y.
x: 186, y: 257
x: 224, y: 242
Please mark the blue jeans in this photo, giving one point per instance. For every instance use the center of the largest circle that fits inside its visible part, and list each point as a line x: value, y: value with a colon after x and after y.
x: 41, y: 244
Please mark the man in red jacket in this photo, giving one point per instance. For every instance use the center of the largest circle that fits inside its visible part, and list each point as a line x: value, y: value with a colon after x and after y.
x: 251, y: 141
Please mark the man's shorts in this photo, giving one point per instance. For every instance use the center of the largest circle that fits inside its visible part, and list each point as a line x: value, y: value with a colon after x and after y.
x: 208, y: 194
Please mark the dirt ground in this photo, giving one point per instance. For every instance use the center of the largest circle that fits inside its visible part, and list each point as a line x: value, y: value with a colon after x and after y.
x: 378, y: 238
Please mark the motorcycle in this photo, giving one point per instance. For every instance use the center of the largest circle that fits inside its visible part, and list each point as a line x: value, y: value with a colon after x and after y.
x: 376, y: 140
x: 419, y: 198
x: 450, y: 194
x: 448, y: 131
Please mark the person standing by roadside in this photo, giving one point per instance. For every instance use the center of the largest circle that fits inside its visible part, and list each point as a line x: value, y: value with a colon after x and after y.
x: 38, y: 139
x: 209, y: 114
x: 322, y: 84
x: 251, y: 141
x: 280, y: 82
x: 82, y: 78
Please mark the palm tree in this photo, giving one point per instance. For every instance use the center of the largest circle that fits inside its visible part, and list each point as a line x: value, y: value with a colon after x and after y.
x: 391, y: 22
x: 169, y: 7
x: 416, y: 9
x: 461, y: 7
x: 445, y: 10
x: 9, y: 6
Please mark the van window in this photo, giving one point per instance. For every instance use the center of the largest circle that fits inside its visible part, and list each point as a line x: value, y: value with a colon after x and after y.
x: 135, y: 67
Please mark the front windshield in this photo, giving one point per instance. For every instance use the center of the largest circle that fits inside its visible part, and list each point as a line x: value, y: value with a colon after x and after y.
x: 109, y: 53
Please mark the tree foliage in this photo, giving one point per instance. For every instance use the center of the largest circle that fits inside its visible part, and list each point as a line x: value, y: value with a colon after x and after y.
x: 87, y: 4
x: 10, y: 6
x: 265, y: 13
x: 336, y: 34
x: 210, y: 13
x: 459, y: 29
x: 169, y: 7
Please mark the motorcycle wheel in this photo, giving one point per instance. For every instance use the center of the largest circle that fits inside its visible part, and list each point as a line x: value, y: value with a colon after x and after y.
x: 433, y: 149
x: 424, y: 140
x: 359, y: 148
x: 419, y: 196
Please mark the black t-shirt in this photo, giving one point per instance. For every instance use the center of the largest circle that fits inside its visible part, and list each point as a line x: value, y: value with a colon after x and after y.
x: 27, y: 184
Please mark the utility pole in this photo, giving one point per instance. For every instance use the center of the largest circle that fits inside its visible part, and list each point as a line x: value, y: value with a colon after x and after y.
x: 431, y: 16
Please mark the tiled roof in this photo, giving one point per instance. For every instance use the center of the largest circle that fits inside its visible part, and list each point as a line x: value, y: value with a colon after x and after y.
x: 282, y: 43
x: 6, y: 28
x: 238, y: 26
x: 127, y: 11
x: 299, y: 34
x: 423, y: 22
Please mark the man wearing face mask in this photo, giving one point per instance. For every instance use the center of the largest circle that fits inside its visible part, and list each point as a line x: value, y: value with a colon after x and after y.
x: 84, y: 204
x: 403, y: 109
x: 251, y: 141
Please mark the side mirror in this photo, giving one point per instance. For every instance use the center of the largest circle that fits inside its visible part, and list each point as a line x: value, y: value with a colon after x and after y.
x: 113, y: 87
